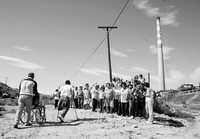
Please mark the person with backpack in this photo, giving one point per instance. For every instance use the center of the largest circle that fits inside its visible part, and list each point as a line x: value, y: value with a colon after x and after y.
x: 28, y: 96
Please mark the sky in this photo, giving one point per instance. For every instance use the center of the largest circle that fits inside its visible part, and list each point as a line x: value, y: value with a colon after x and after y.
x: 54, y: 37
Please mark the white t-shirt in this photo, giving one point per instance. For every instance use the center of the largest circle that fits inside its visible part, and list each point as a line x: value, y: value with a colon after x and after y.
x: 124, y: 95
x: 86, y: 93
x: 95, y: 94
x: 101, y: 94
x: 66, y: 91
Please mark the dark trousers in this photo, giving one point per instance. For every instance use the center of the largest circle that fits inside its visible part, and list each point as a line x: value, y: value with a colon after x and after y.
x: 124, y: 108
x: 76, y: 102
x: 135, y: 108
x: 116, y: 104
x: 119, y: 108
x: 64, y: 105
x: 101, y: 104
x: 141, y: 107
x: 130, y: 108
x: 94, y: 104
x: 56, y: 103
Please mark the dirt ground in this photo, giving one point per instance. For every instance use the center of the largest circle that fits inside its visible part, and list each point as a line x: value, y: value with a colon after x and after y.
x: 93, y: 125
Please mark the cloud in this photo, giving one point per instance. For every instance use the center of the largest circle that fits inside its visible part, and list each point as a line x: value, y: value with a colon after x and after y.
x: 23, y: 48
x: 173, y: 79
x: 94, y: 71
x: 118, y: 53
x: 167, y: 18
x: 21, y: 63
x: 139, y: 70
x: 102, y: 72
x: 166, y: 51
x: 130, y: 50
x: 195, y: 75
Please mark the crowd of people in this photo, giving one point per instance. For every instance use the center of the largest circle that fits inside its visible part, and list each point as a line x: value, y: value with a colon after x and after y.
x: 125, y: 98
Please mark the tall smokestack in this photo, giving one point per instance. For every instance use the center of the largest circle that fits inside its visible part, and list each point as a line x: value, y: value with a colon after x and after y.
x: 161, y: 68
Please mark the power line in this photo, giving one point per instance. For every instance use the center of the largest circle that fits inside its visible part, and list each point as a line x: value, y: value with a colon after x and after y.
x: 101, y: 42
x: 87, y: 58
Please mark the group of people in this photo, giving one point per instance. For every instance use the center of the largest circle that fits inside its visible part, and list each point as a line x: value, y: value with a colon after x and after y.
x: 125, y: 98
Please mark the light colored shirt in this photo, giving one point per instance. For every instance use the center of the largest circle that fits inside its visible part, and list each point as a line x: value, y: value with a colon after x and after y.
x: 108, y: 93
x: 101, y: 94
x: 124, y: 95
x: 66, y: 91
x: 86, y: 93
x: 26, y: 87
x: 95, y: 94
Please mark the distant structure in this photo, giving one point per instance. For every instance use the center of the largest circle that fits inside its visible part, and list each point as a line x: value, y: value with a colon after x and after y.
x: 161, y: 67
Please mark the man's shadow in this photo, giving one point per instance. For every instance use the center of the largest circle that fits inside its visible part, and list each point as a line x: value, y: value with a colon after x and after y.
x: 66, y: 123
x: 167, y: 122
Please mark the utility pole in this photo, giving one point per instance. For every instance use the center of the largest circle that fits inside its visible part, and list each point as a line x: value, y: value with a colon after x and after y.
x: 108, y: 28
x: 149, y: 79
x: 161, y: 68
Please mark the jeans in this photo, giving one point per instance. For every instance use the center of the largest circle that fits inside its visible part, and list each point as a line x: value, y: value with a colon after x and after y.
x: 24, y: 101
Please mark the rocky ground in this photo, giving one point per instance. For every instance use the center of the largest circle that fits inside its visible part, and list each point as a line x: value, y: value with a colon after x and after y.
x: 93, y: 125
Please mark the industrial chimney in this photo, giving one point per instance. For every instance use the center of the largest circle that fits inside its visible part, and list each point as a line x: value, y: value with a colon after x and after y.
x: 161, y: 68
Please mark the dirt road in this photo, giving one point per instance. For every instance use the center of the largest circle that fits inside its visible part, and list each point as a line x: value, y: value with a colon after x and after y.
x: 93, y: 125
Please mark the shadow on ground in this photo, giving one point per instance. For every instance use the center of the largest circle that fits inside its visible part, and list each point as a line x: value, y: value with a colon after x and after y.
x: 167, y: 122
x: 67, y: 123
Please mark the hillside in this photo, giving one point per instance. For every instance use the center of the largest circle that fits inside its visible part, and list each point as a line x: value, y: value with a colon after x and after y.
x: 7, y: 91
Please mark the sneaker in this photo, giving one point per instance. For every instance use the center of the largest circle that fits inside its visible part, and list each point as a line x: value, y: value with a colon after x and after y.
x: 15, y: 126
x: 61, y: 118
x: 28, y: 124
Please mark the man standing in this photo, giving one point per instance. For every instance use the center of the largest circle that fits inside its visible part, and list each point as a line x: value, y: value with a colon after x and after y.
x: 66, y: 93
x: 149, y: 103
x: 56, y: 98
x: 95, y: 97
x: 27, y: 89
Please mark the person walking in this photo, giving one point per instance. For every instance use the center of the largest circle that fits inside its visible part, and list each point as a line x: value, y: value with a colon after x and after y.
x: 27, y: 89
x: 66, y: 94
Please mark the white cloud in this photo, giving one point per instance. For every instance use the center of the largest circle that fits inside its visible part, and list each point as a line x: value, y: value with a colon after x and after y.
x: 94, y: 71
x: 21, y: 63
x: 195, y: 75
x: 118, y: 53
x: 166, y: 51
x: 22, y: 48
x: 102, y: 72
x: 167, y: 18
x: 139, y: 70
x: 174, y: 78
x: 130, y: 50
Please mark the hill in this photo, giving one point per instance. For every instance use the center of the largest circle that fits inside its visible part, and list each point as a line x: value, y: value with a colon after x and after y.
x: 7, y: 91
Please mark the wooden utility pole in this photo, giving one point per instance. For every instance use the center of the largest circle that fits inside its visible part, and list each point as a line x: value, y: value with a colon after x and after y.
x: 108, y: 28
x: 149, y: 79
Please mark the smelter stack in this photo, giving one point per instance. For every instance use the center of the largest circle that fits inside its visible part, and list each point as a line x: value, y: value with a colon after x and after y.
x: 161, y: 68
